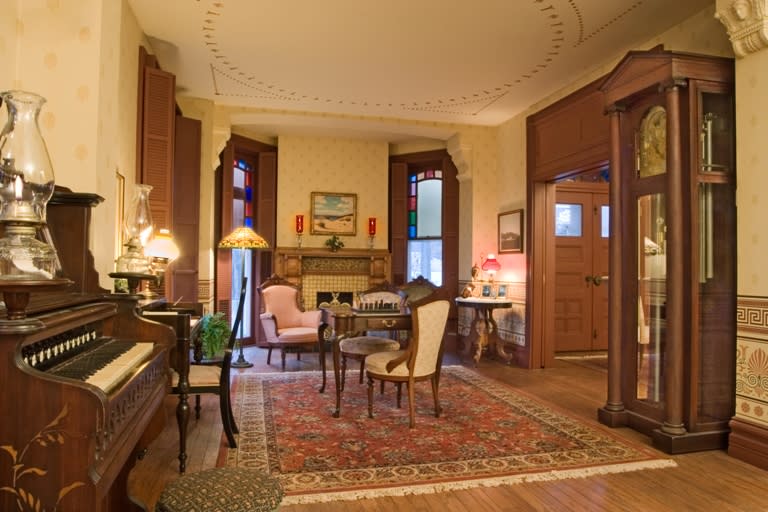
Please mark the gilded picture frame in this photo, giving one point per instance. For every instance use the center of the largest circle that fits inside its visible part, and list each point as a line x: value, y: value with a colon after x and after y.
x: 333, y: 213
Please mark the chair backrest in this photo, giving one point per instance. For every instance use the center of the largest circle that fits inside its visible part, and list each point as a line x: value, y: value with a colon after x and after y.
x: 418, y: 289
x: 227, y: 362
x: 382, y: 296
x: 429, y: 321
x: 282, y: 299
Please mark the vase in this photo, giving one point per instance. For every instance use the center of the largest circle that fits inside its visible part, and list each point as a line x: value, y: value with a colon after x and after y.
x: 26, y: 185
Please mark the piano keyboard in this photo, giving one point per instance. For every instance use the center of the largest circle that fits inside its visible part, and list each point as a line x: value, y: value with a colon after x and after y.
x: 107, y: 364
x: 109, y: 376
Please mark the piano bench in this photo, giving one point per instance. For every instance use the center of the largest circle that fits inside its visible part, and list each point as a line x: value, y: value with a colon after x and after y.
x: 224, y: 489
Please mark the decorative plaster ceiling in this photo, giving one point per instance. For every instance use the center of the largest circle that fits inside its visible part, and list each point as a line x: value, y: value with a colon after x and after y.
x: 471, y: 62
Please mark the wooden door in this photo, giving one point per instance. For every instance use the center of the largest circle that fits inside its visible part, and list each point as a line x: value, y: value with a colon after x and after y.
x: 581, y: 267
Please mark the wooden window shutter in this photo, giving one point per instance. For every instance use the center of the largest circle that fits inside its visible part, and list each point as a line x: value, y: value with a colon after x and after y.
x: 224, y: 256
x: 157, y: 143
x: 266, y: 209
x: 182, y: 280
x: 450, y: 229
x: 398, y: 220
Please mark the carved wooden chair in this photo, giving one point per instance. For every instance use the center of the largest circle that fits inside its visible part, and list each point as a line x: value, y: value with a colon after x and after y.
x: 195, y: 379
x: 286, y: 324
x: 382, y: 297
x: 420, y: 361
x: 417, y: 289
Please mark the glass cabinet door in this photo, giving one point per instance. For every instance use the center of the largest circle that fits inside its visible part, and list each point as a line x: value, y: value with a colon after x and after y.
x: 651, y: 297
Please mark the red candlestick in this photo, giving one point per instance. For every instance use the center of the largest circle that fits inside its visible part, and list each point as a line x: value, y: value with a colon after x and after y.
x: 299, y: 224
x: 371, y: 226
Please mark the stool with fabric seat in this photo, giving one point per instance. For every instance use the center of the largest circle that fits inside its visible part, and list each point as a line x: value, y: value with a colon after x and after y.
x: 222, y: 490
x: 381, y: 297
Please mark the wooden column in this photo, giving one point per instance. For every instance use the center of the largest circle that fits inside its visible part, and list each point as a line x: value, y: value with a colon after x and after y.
x: 613, y: 412
x: 674, y: 381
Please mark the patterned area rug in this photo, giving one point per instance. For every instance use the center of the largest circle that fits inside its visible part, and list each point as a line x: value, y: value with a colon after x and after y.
x: 489, y: 434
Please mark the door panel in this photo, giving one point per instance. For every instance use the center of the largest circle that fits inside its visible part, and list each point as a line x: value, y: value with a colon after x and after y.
x: 581, y: 268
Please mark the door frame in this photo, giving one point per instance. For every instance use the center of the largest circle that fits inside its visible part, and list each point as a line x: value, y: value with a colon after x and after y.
x: 540, y: 303
x: 598, y: 254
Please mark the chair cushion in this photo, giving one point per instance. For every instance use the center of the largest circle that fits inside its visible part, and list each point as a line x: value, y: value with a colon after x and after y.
x: 297, y: 335
x: 377, y: 364
x: 222, y: 490
x: 199, y: 375
x: 364, y: 345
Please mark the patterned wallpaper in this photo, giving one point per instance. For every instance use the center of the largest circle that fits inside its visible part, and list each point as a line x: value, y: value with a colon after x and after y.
x: 329, y: 164
x: 82, y: 57
x: 752, y: 359
x: 752, y: 190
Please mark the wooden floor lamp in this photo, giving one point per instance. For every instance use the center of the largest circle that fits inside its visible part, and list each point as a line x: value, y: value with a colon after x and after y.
x: 243, y: 239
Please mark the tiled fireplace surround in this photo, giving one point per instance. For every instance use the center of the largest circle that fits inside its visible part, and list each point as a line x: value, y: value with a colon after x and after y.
x: 320, y: 270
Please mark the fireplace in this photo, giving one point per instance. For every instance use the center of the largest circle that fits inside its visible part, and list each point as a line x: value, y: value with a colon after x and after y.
x: 319, y: 271
x: 334, y: 298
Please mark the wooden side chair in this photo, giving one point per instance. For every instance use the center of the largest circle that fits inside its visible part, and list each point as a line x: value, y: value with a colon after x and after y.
x: 286, y: 324
x: 207, y: 379
x: 420, y: 361
x: 382, y: 297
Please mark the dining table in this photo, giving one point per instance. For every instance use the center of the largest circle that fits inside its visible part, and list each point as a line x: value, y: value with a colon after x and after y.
x: 340, y: 322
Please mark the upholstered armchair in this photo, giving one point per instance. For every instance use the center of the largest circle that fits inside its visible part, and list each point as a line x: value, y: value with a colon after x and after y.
x: 286, y: 324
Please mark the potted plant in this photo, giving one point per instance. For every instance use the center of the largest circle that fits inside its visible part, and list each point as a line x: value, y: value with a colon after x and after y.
x: 334, y: 243
x: 214, y: 333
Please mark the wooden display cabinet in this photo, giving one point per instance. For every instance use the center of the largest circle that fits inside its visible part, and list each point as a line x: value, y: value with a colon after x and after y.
x: 673, y: 269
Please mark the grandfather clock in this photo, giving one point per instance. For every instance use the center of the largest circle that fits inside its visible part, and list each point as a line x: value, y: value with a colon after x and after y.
x: 673, y: 267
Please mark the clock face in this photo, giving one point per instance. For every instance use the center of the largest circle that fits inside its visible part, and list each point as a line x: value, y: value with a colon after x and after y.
x: 652, y: 147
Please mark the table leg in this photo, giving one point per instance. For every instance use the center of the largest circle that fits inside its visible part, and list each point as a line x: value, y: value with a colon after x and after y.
x: 336, y: 374
x: 496, y: 345
x: 321, y: 351
x: 482, y: 337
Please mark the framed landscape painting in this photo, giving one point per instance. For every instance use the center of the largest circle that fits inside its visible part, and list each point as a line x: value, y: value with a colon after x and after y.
x: 511, y: 231
x: 333, y: 214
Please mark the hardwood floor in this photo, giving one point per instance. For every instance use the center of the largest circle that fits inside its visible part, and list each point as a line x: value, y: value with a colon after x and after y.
x: 702, y: 481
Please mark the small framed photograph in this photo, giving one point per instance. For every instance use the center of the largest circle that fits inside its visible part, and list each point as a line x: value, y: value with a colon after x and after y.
x: 502, y: 291
x: 333, y: 214
x: 511, y: 231
x: 486, y: 290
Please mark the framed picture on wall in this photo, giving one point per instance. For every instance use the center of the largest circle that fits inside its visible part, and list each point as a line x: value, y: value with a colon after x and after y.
x: 511, y: 231
x: 333, y: 214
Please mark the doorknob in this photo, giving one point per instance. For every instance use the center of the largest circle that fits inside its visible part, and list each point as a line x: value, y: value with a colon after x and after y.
x: 589, y: 279
x: 599, y: 279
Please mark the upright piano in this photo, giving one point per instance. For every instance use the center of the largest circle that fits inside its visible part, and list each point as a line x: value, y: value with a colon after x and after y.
x: 82, y: 382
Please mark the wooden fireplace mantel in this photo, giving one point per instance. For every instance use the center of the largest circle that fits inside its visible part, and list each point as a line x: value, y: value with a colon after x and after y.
x: 293, y: 263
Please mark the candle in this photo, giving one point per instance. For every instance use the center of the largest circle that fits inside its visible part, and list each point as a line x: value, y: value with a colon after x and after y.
x: 371, y: 226
x: 299, y: 224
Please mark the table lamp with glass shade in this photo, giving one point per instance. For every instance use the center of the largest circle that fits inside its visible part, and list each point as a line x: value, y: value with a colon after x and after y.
x: 26, y: 184
x: 161, y: 251
x: 243, y: 239
x: 133, y: 265
x: 491, y: 265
